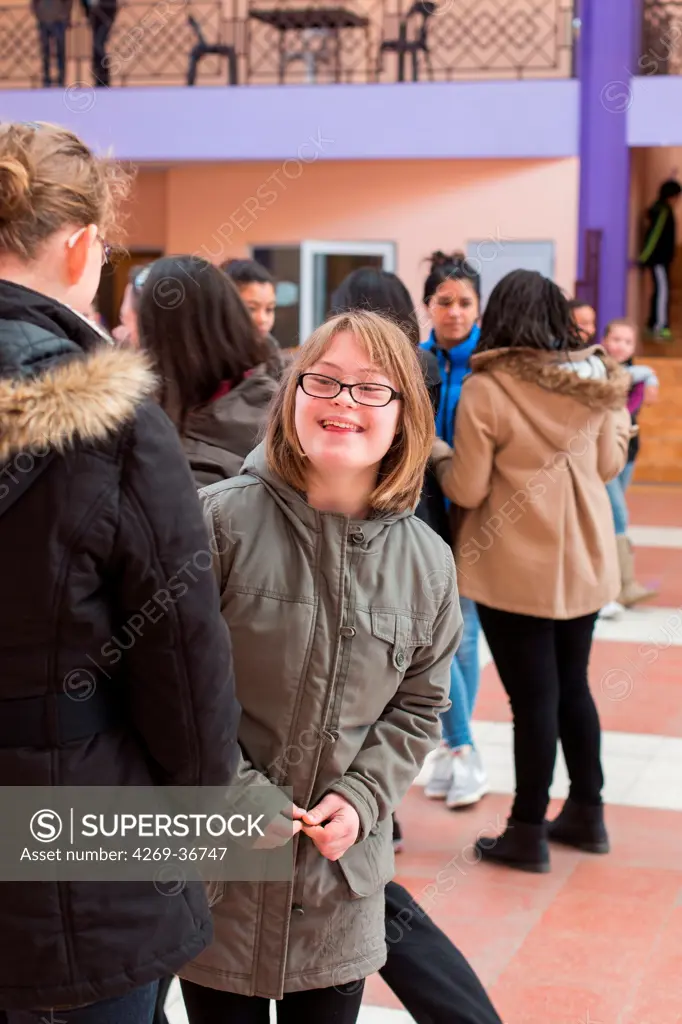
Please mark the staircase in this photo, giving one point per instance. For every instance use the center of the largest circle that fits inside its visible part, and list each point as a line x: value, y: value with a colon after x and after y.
x: 660, y: 455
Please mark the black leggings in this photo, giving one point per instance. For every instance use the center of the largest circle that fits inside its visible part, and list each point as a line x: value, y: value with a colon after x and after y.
x: 340, y: 1005
x: 543, y: 667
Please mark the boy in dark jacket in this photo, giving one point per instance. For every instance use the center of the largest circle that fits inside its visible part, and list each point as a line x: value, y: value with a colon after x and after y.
x: 658, y: 254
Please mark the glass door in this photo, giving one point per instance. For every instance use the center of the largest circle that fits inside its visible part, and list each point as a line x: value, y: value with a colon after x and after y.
x: 324, y: 265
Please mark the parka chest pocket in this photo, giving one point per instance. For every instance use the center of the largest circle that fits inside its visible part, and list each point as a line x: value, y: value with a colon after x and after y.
x: 402, y: 632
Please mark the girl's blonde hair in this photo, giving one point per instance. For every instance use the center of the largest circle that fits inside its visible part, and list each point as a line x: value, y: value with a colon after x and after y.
x: 401, y: 476
x: 50, y: 179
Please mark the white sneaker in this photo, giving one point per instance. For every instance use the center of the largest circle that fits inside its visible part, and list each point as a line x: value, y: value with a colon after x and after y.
x: 469, y: 780
x: 438, y: 786
x: 612, y: 610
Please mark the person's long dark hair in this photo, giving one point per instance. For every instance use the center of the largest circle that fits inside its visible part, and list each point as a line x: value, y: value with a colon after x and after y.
x: 378, y: 291
x: 197, y: 331
x: 527, y: 310
x: 450, y: 267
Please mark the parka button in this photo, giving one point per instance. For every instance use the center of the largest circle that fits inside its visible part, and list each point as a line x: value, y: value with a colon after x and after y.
x: 347, y: 631
x: 357, y: 536
x: 400, y: 659
x: 297, y: 909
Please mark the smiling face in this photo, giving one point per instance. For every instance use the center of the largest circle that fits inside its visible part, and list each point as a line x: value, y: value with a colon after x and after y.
x: 339, y: 435
x: 586, y: 320
x: 260, y: 300
x: 621, y: 342
x: 454, y: 309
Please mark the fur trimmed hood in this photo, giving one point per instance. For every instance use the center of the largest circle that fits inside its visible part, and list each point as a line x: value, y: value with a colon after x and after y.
x: 85, y: 398
x: 590, y: 376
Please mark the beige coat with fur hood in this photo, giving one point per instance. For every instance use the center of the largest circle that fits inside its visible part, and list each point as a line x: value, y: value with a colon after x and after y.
x: 536, y: 438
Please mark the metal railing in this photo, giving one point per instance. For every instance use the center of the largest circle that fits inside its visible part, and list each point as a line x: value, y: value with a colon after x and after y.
x: 661, y: 44
x: 150, y: 42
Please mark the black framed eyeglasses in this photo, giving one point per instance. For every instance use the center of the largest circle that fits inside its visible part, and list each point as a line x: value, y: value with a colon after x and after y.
x: 318, y: 386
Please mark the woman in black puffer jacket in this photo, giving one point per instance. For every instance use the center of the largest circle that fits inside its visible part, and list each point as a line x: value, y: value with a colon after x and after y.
x: 99, y: 527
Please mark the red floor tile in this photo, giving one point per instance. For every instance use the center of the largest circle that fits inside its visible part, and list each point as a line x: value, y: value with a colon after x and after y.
x: 652, y: 505
x: 661, y: 569
x: 596, y: 940
x: 637, y: 687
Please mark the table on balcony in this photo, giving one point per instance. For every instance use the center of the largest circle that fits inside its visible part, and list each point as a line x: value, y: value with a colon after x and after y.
x: 327, y: 21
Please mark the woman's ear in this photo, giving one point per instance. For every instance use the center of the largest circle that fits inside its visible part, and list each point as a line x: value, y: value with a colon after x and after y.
x: 78, y: 248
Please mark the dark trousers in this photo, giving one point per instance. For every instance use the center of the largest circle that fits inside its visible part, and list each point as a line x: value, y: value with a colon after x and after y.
x: 424, y: 969
x: 340, y: 1005
x: 49, y: 34
x: 659, y: 313
x: 137, y: 1007
x: 428, y: 974
x: 543, y: 667
x: 101, y: 23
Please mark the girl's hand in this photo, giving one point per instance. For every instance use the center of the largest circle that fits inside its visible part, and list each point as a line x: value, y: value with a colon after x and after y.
x: 341, y: 830
x: 651, y: 394
x: 281, y: 829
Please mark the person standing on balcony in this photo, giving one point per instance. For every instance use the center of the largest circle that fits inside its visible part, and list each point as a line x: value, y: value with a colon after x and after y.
x: 452, y: 297
x: 658, y: 254
x: 101, y: 15
x: 54, y: 17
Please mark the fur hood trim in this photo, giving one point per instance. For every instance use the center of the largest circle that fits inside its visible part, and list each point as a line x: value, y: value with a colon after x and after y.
x: 553, y: 372
x: 80, y: 399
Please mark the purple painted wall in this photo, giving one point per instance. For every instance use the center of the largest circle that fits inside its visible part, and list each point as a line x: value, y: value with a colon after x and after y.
x: 606, y: 54
x: 654, y: 116
x: 400, y: 121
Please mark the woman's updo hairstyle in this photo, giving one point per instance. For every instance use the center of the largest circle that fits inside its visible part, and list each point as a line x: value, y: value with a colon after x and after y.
x: 49, y: 179
x: 452, y: 267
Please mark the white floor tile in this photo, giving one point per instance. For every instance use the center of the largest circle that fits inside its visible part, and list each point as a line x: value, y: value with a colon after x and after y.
x: 656, y: 536
x: 640, y: 770
x: 654, y: 628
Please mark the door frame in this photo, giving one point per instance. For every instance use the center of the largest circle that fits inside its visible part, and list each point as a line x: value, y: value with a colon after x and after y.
x: 312, y: 248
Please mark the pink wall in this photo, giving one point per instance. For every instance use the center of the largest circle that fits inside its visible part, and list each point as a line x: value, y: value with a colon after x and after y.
x: 219, y: 210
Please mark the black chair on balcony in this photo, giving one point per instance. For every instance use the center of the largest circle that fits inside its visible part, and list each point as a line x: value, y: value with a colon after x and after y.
x: 412, y: 38
x: 203, y: 49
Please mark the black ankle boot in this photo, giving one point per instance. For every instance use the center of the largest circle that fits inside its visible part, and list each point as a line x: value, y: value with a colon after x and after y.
x: 520, y: 846
x: 580, y: 825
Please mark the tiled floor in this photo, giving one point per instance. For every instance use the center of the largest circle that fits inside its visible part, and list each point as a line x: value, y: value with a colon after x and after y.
x: 599, y: 939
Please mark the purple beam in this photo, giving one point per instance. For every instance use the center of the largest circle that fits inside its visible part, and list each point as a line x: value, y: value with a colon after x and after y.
x: 606, y: 61
x: 426, y: 120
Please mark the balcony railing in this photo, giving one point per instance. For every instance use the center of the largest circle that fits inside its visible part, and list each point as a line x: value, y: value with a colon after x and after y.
x: 150, y: 42
x: 661, y: 49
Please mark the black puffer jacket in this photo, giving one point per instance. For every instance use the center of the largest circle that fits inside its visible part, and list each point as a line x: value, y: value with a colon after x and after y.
x: 110, y: 529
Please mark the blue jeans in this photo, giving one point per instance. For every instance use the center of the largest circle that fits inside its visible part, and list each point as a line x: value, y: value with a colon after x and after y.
x: 465, y: 675
x: 136, y: 1007
x: 616, y: 489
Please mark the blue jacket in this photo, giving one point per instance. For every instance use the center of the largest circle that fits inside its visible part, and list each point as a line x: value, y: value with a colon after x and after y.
x: 454, y: 366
